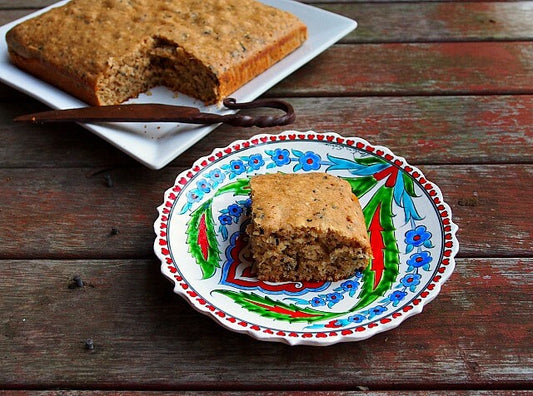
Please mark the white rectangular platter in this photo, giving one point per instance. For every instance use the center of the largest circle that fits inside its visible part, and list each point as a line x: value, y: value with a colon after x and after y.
x: 156, y: 144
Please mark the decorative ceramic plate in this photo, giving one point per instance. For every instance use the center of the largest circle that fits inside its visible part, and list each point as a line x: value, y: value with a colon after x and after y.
x: 203, y: 247
x: 156, y: 144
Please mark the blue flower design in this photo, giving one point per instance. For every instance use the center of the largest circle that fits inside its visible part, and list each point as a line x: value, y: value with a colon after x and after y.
x: 356, y: 318
x: 235, y: 210
x: 318, y: 302
x: 280, y: 156
x: 309, y: 161
x: 418, y: 260
x: 397, y: 296
x: 225, y: 219
x: 411, y: 281
x: 349, y: 286
x: 216, y: 176
x: 256, y: 161
x: 333, y: 298
x: 379, y: 309
x: 195, y: 195
x: 203, y: 185
x: 237, y: 167
x: 418, y: 237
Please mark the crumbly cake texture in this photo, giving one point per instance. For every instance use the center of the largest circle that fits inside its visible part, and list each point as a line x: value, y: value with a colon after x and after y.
x: 107, y: 51
x: 306, y: 227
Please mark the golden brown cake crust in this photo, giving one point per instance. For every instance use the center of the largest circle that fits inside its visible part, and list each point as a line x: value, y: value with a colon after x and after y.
x: 313, y: 200
x: 77, y: 46
x: 306, y: 227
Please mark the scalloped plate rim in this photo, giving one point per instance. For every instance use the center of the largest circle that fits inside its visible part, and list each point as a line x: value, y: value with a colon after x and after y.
x: 312, y: 341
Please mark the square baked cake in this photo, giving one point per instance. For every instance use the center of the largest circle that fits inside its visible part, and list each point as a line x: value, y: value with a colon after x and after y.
x: 306, y: 227
x: 107, y: 51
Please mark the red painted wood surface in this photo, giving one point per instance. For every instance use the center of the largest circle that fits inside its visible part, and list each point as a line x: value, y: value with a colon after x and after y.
x: 445, y: 127
x: 436, y: 21
x: 446, y: 84
x: 416, y: 69
x: 148, y: 337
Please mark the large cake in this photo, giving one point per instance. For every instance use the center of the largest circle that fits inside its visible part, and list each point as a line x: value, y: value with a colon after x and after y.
x: 107, y: 51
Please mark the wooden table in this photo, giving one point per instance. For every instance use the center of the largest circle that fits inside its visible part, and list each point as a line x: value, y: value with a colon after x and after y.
x: 447, y: 85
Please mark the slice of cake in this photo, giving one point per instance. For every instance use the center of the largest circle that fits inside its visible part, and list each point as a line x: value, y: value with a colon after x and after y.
x: 306, y: 227
x: 107, y: 51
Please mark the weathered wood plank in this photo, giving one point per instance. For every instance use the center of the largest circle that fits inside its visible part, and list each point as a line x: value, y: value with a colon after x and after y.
x: 436, y: 21
x: 434, y: 130
x: 415, y: 69
x: 464, y: 129
x: 70, y: 212
x: 51, y: 145
x: 475, y: 335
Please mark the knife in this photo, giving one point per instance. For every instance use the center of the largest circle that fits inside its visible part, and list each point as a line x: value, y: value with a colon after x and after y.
x: 149, y: 112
